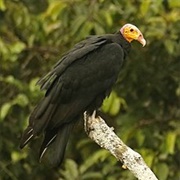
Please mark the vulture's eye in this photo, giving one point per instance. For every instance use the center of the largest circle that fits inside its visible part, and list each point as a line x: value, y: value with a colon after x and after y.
x: 131, y: 30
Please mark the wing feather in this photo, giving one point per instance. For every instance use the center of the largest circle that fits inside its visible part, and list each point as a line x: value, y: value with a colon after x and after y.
x: 81, y: 49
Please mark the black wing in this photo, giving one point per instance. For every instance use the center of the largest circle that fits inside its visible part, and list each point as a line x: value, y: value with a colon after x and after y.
x: 79, y: 51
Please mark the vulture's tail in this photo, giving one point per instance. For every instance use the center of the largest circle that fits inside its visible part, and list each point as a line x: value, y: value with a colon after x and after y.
x: 54, y: 145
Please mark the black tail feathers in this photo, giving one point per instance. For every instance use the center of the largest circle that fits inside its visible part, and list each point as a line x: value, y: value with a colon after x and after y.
x: 54, y: 145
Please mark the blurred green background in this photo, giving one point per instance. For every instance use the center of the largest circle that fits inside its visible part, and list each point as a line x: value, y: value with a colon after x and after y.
x: 144, y: 107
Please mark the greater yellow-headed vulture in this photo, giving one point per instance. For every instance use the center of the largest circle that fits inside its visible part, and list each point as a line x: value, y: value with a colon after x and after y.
x: 79, y: 82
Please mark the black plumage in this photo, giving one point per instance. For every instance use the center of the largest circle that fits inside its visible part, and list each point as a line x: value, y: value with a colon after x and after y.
x: 78, y: 82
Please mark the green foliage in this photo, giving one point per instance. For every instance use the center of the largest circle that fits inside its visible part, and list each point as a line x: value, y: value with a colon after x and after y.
x: 144, y: 105
x: 113, y: 104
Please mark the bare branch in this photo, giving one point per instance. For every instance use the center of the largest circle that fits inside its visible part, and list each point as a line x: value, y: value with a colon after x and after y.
x: 104, y: 136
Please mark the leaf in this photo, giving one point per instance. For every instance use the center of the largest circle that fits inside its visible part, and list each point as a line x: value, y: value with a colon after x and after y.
x: 115, y: 106
x: 169, y: 44
x: 36, y: 7
x: 17, y: 156
x: 140, y: 137
x: 17, y: 47
x: 4, y: 110
x: 162, y: 171
x: 144, y: 7
x: 174, y: 3
x: 2, y: 5
x: 107, y: 103
x: 71, y: 170
x: 98, y: 28
x: 54, y: 9
x: 93, y: 159
x: 148, y: 156
x: 32, y: 85
x: 170, y: 142
x: 86, y: 28
x: 21, y: 100
x: 109, y: 19
x: 92, y: 175
x: 11, y: 80
x: 83, y: 143
x: 113, y: 103
x: 77, y: 24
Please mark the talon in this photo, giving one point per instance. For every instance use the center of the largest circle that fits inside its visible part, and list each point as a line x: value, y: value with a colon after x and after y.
x: 124, y: 166
x: 94, y: 114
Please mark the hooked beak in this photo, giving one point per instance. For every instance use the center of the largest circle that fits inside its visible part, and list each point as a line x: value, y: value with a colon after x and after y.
x: 142, y: 40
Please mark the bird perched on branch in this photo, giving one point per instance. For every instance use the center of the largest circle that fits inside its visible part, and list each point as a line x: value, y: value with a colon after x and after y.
x: 79, y: 82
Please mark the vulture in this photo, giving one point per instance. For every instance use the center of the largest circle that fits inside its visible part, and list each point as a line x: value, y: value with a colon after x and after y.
x: 78, y: 82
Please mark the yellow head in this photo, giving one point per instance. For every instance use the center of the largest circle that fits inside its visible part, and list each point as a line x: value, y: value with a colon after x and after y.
x: 131, y: 32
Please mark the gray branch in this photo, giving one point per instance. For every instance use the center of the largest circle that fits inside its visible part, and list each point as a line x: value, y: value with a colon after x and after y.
x: 104, y: 136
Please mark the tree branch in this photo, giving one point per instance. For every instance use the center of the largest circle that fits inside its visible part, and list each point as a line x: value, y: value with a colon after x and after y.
x: 104, y: 136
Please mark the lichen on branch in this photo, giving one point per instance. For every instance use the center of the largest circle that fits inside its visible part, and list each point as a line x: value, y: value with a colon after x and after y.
x: 104, y: 136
